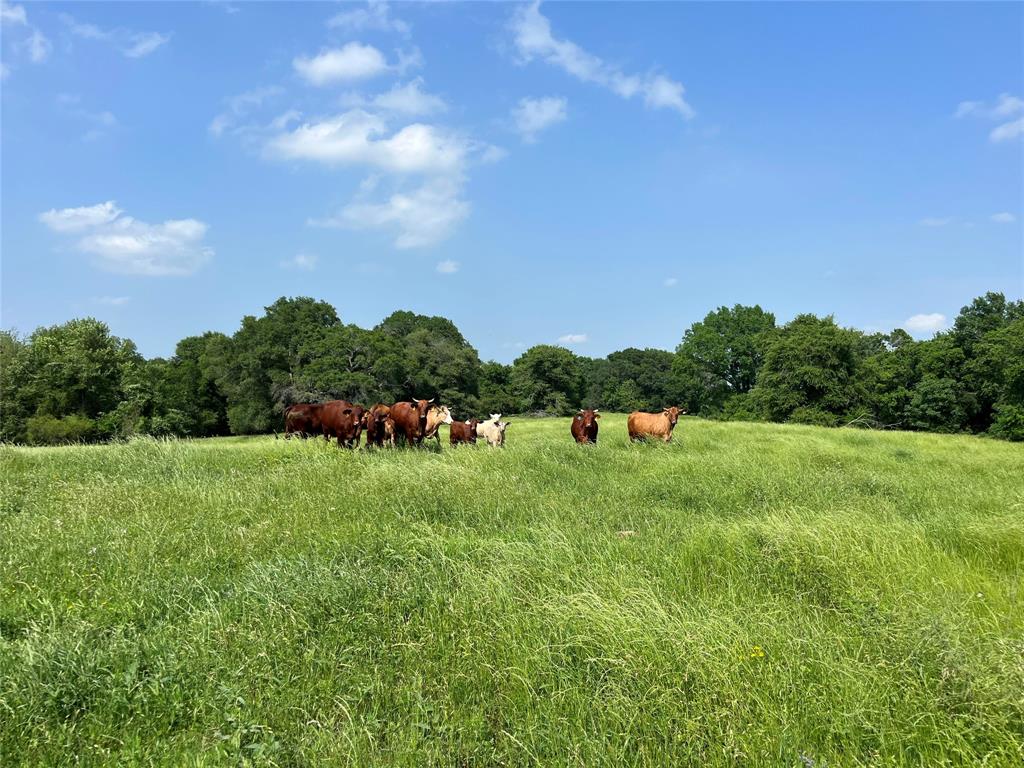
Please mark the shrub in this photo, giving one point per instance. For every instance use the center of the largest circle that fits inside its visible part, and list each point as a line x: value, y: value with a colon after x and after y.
x: 814, y: 416
x: 49, y: 430
x: 1008, y: 423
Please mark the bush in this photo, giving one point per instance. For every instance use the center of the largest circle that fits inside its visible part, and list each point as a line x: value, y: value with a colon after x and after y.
x: 814, y: 416
x: 740, y: 408
x: 1008, y: 423
x: 49, y: 430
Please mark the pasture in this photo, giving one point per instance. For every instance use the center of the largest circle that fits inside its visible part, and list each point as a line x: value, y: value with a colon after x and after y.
x: 750, y: 594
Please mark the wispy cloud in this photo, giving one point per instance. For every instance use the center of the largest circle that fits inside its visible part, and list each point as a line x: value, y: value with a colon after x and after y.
x: 376, y: 16
x: 129, y: 246
x: 302, y: 261
x: 36, y: 45
x: 671, y: 282
x: 408, y: 99
x: 132, y: 44
x: 99, y: 123
x: 241, y: 105
x: 533, y: 39
x: 447, y: 267
x: 925, y: 323
x: 935, y: 221
x: 1002, y: 109
x: 531, y: 116
x: 573, y: 338
x: 112, y: 301
x: 1005, y: 217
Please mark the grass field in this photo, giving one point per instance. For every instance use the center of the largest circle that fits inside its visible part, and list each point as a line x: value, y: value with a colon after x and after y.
x: 748, y: 595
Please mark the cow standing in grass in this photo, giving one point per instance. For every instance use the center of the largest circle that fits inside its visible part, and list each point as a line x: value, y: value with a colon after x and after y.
x: 493, y: 430
x: 584, y: 427
x: 342, y: 420
x: 463, y: 432
x: 655, y: 425
x: 376, y: 425
x: 410, y: 418
x: 436, y: 416
x: 302, y: 419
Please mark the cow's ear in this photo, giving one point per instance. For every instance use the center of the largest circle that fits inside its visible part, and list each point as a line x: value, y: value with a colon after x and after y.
x: 597, y: 415
x: 347, y: 410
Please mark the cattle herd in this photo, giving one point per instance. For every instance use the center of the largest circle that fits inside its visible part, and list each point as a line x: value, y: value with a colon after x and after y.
x: 413, y: 421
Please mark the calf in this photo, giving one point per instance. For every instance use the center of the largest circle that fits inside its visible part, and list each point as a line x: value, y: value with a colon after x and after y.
x: 584, y: 427
x: 376, y: 430
x: 493, y: 430
x: 463, y: 431
x: 659, y: 425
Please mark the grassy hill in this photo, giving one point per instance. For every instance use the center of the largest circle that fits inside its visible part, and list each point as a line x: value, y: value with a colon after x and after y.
x: 750, y: 594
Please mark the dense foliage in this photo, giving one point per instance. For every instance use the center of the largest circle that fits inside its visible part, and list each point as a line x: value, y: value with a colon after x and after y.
x: 77, y: 382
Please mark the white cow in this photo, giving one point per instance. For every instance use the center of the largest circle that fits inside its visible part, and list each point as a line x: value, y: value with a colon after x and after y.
x: 493, y: 430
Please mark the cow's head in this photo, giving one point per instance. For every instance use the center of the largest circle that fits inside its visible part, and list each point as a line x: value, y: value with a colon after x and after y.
x: 439, y: 414
x: 588, y: 418
x: 673, y: 414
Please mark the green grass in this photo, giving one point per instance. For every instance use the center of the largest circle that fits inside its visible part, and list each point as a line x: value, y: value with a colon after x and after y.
x: 788, y: 596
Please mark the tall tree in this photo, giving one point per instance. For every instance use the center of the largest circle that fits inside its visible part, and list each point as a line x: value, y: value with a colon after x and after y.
x: 720, y: 356
x: 547, y: 378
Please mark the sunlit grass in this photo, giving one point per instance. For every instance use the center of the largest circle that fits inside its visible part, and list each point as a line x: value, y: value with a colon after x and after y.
x: 752, y: 594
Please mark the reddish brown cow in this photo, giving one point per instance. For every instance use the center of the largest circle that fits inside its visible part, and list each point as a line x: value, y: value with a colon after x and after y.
x: 343, y: 420
x: 584, y: 426
x: 410, y: 419
x: 660, y: 425
x: 463, y: 431
x: 302, y: 419
x: 375, y: 424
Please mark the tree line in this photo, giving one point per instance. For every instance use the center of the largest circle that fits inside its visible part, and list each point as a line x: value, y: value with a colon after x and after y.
x: 77, y: 382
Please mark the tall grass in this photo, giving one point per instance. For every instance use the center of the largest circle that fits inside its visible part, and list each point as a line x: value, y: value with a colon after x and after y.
x: 750, y: 594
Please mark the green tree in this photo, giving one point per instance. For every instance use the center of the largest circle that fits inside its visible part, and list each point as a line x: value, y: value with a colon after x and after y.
x: 547, y: 378
x: 810, y: 364
x: 720, y: 356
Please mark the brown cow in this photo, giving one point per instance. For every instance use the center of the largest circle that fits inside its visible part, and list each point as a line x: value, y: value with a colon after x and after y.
x: 343, y: 420
x: 410, y: 419
x: 584, y: 426
x: 302, y: 419
x: 375, y: 424
x: 463, y: 432
x: 643, y: 425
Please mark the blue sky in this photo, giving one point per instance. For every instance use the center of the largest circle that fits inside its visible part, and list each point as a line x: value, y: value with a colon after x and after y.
x: 597, y: 175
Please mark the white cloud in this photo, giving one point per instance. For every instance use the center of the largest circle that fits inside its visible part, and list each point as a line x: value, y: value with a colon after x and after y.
x: 38, y: 47
x: 447, y: 267
x: 409, y: 99
x: 532, y: 116
x: 926, y: 323
x: 5, y: 71
x: 1004, y: 217
x: 671, y: 282
x: 241, y: 105
x: 13, y: 14
x: 933, y: 221
x: 1007, y: 105
x: 375, y: 16
x: 422, y: 217
x: 100, y: 123
x: 1007, y: 131
x: 112, y: 301
x: 573, y: 338
x: 129, y: 246
x: 79, y: 219
x: 349, y: 63
x: 304, y: 261
x: 130, y: 43
x: 358, y: 137
x: 533, y: 40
